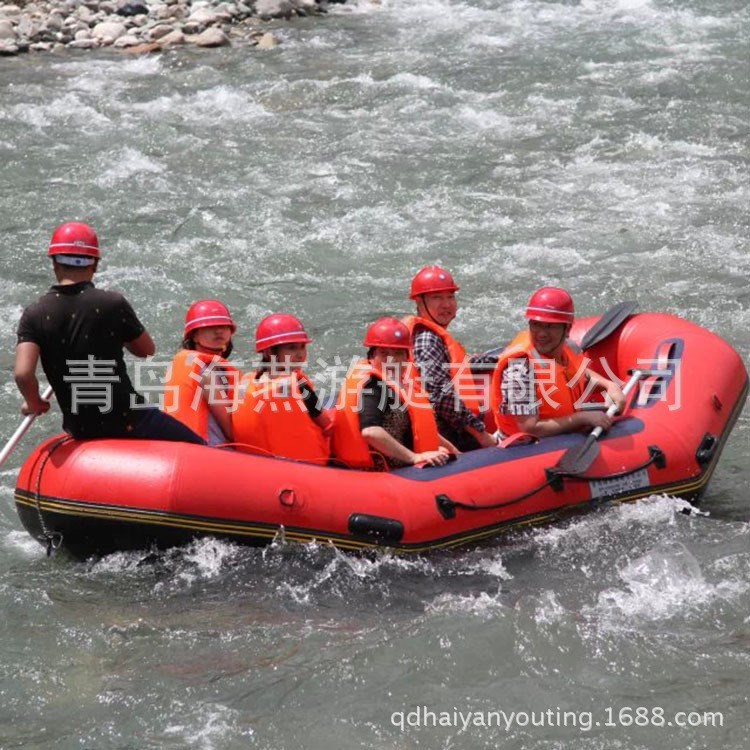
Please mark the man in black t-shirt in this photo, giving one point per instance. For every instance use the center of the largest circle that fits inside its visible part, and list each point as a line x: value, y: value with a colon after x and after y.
x: 79, y: 333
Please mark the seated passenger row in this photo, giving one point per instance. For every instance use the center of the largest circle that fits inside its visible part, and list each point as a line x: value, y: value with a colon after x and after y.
x: 412, y: 400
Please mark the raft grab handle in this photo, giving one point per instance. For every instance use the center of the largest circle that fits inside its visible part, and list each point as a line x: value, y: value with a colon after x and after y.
x: 379, y: 528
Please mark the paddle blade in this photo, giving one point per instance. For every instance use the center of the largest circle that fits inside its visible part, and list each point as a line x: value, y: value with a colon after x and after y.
x: 608, y: 323
x: 576, y: 460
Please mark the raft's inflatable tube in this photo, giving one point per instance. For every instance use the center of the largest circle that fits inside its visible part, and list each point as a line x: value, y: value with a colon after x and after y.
x: 104, y: 495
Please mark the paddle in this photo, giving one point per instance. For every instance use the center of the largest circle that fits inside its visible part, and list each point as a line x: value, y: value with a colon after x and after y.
x: 608, y: 324
x: 22, y: 428
x: 578, y: 458
x: 610, y: 321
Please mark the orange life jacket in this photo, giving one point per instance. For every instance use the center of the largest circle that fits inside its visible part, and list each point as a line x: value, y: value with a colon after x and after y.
x: 184, y: 398
x: 555, y: 392
x: 468, y: 390
x: 347, y: 442
x: 272, y: 416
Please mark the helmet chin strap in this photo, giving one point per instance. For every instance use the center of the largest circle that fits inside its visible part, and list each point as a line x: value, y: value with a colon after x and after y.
x: 427, y: 310
x: 211, y: 349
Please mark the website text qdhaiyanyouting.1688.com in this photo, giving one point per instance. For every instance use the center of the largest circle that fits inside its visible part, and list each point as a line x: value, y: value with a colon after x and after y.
x: 626, y: 716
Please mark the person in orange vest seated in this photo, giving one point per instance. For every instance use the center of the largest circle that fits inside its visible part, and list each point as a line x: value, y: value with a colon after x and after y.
x: 201, y: 389
x: 443, y: 362
x: 540, y: 380
x: 280, y: 413
x: 383, y: 409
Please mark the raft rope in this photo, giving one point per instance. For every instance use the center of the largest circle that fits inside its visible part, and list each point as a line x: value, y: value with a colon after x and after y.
x: 52, y: 540
x: 446, y: 506
x: 555, y: 479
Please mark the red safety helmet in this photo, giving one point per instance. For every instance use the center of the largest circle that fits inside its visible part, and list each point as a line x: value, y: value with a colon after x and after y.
x: 205, y: 313
x: 74, y: 238
x: 550, y: 304
x: 388, y: 333
x: 280, y: 328
x: 432, y: 279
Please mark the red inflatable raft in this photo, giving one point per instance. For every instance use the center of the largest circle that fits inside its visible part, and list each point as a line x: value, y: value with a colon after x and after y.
x: 106, y: 495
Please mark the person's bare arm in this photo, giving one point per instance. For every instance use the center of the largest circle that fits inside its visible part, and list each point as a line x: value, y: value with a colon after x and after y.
x: 27, y: 357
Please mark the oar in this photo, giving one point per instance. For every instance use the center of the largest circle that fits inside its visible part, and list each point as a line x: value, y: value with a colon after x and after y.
x: 605, y: 326
x: 608, y: 323
x: 15, y: 438
x: 578, y: 458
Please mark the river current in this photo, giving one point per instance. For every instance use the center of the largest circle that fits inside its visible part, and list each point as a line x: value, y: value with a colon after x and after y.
x: 600, y: 145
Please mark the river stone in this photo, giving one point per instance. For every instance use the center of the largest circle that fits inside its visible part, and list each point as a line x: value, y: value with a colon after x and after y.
x: 108, y: 30
x: 268, y: 9
x: 157, y: 32
x: 82, y: 34
x: 83, y: 44
x: 7, y: 31
x: 202, y: 16
x: 175, y: 37
x: 132, y: 9
x: 9, y: 11
x: 41, y: 46
x: 84, y: 14
x: 126, y: 40
x: 212, y: 37
x: 268, y: 41
x: 55, y: 22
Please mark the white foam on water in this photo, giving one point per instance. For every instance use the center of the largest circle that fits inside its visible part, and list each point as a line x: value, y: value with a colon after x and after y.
x: 416, y: 82
x: 545, y: 608
x: 206, y: 559
x: 117, y: 562
x: 208, y: 726
x: 9, y: 317
x: 126, y: 164
x: 211, y: 106
x: 483, y: 605
x: 343, y: 573
x: 358, y: 7
x: 490, y: 119
x: 70, y: 110
x: 143, y: 65
x: 491, y: 566
x: 21, y: 542
x: 665, y: 582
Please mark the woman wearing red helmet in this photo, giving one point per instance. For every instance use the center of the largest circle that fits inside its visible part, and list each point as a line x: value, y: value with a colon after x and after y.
x: 201, y: 390
x: 383, y: 409
x: 540, y: 380
x: 279, y: 412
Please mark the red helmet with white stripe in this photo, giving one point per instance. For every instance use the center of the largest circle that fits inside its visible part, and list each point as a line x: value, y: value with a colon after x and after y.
x: 550, y: 304
x: 388, y: 333
x: 430, y: 280
x: 205, y: 313
x: 280, y: 328
x: 74, y: 238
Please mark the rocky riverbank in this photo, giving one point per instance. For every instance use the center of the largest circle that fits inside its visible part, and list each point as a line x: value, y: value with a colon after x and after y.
x: 140, y: 26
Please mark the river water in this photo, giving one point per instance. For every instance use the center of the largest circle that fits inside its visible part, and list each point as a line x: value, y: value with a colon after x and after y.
x: 601, y: 145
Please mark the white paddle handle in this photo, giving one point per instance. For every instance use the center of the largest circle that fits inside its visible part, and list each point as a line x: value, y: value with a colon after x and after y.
x: 634, y: 378
x: 22, y: 428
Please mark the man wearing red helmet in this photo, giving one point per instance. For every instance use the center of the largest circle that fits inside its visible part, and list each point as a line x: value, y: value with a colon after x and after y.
x: 279, y: 412
x: 540, y: 379
x: 79, y: 332
x: 382, y: 409
x: 201, y: 388
x: 445, y: 367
